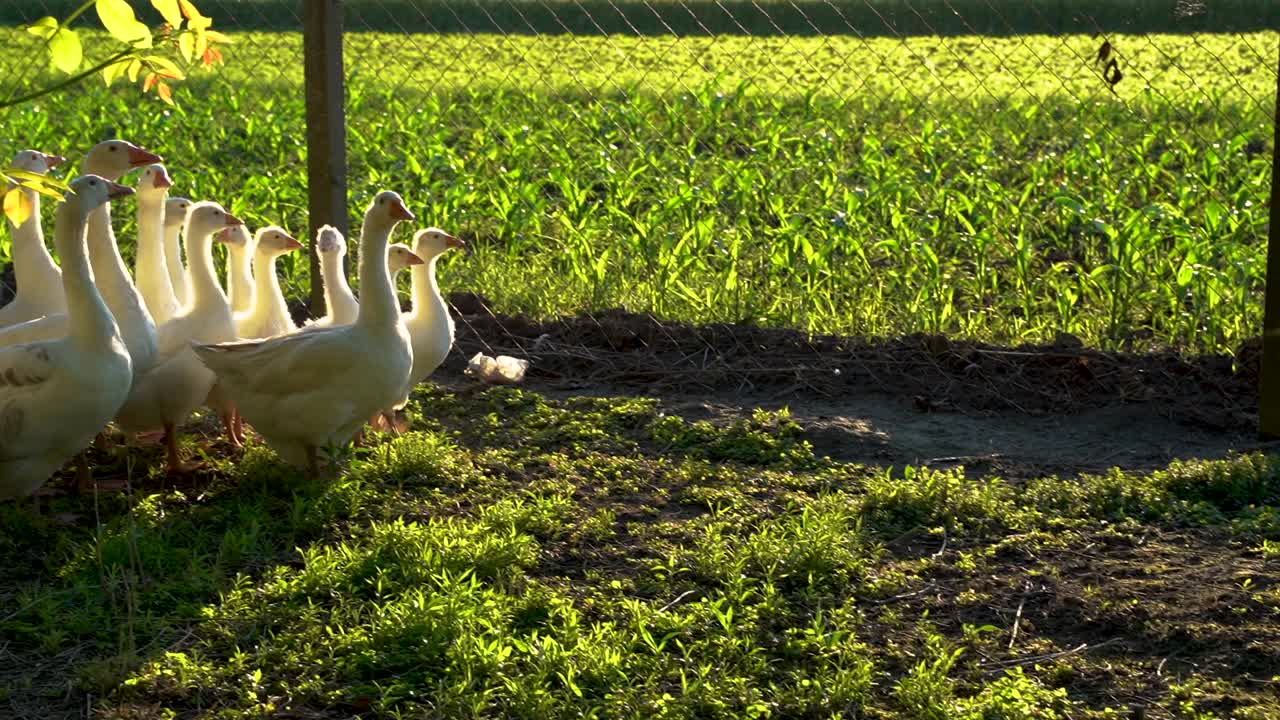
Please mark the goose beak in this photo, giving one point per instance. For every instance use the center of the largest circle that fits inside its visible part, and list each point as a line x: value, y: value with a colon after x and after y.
x: 412, y: 259
x: 53, y: 161
x: 162, y: 180
x: 400, y: 212
x: 139, y: 157
x: 290, y: 244
x: 233, y: 221
x: 116, y: 190
x: 454, y: 242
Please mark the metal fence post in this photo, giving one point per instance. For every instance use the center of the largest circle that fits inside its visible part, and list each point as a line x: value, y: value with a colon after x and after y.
x: 1269, y: 400
x: 326, y: 129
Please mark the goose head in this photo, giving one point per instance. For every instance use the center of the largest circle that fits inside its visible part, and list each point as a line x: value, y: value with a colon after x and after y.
x: 91, y: 191
x: 236, y: 237
x: 433, y: 242
x: 385, y: 211
x: 399, y: 257
x: 273, y: 240
x: 113, y: 158
x: 154, y: 183
x: 330, y: 242
x: 36, y: 161
x: 208, y: 218
x: 176, y: 210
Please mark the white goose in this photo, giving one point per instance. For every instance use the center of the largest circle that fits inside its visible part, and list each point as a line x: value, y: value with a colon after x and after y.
x: 176, y: 210
x: 108, y: 159
x: 267, y: 314
x: 339, y: 302
x: 56, y: 395
x: 305, y: 391
x: 179, y: 383
x: 270, y: 314
x: 240, y: 289
x: 399, y: 257
x: 150, y: 269
x: 429, y: 323
x: 39, y: 280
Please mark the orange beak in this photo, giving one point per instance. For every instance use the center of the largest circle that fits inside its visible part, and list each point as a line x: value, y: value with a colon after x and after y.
x: 413, y: 260
x: 53, y: 161
x: 291, y: 244
x: 400, y: 212
x: 139, y: 157
x: 233, y: 221
x: 223, y: 235
x: 454, y: 242
x: 116, y: 190
x: 162, y: 180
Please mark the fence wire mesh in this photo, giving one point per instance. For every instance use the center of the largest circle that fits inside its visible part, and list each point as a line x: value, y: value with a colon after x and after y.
x: 743, y: 195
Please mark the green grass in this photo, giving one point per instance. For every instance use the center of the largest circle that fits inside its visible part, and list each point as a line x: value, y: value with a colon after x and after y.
x: 876, y: 18
x: 515, y: 556
x: 1078, y: 211
x: 982, y: 187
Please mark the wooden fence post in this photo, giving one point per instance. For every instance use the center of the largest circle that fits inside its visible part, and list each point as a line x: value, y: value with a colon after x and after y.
x: 1269, y: 397
x: 326, y: 129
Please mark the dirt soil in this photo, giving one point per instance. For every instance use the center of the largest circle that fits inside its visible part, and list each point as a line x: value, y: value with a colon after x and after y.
x: 920, y: 399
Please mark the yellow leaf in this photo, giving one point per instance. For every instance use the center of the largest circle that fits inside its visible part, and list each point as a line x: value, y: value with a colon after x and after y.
x: 202, y: 42
x: 165, y: 67
x: 113, y: 71
x: 17, y: 207
x: 187, y: 46
x: 135, y: 67
x: 64, y: 46
x: 169, y: 10
x: 117, y: 17
x: 44, y: 27
x: 35, y: 181
x: 165, y: 93
x: 215, y: 36
x: 149, y: 80
x: 193, y: 16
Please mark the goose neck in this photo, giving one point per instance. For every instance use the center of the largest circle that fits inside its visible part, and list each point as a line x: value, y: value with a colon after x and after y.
x: 90, y: 323
x: 377, y: 296
x: 205, y: 289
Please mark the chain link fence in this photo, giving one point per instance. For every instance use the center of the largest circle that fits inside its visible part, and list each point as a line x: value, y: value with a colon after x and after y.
x: 739, y: 196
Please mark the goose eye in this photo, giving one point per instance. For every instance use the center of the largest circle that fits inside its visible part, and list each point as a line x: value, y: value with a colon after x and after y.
x: 112, y: 148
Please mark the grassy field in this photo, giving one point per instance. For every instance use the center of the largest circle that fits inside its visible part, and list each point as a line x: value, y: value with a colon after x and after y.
x: 989, y: 188
x: 874, y: 18
x: 554, y: 556
x: 519, y: 556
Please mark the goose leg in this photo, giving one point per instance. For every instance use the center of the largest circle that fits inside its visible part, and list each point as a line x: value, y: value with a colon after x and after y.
x: 238, y: 424
x: 313, y: 463
x: 229, y: 428
x: 174, y: 463
x: 84, y: 477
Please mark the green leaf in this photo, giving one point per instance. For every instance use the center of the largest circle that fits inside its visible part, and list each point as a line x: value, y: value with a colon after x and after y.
x: 44, y: 27
x: 114, y: 70
x: 117, y: 17
x: 169, y: 9
x: 164, y: 67
x: 64, y: 47
x: 35, y: 181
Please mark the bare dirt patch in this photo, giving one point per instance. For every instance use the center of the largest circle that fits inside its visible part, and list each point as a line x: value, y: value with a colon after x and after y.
x: 922, y: 399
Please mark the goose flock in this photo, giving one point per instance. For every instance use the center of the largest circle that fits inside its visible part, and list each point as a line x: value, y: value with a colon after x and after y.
x: 83, y: 345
